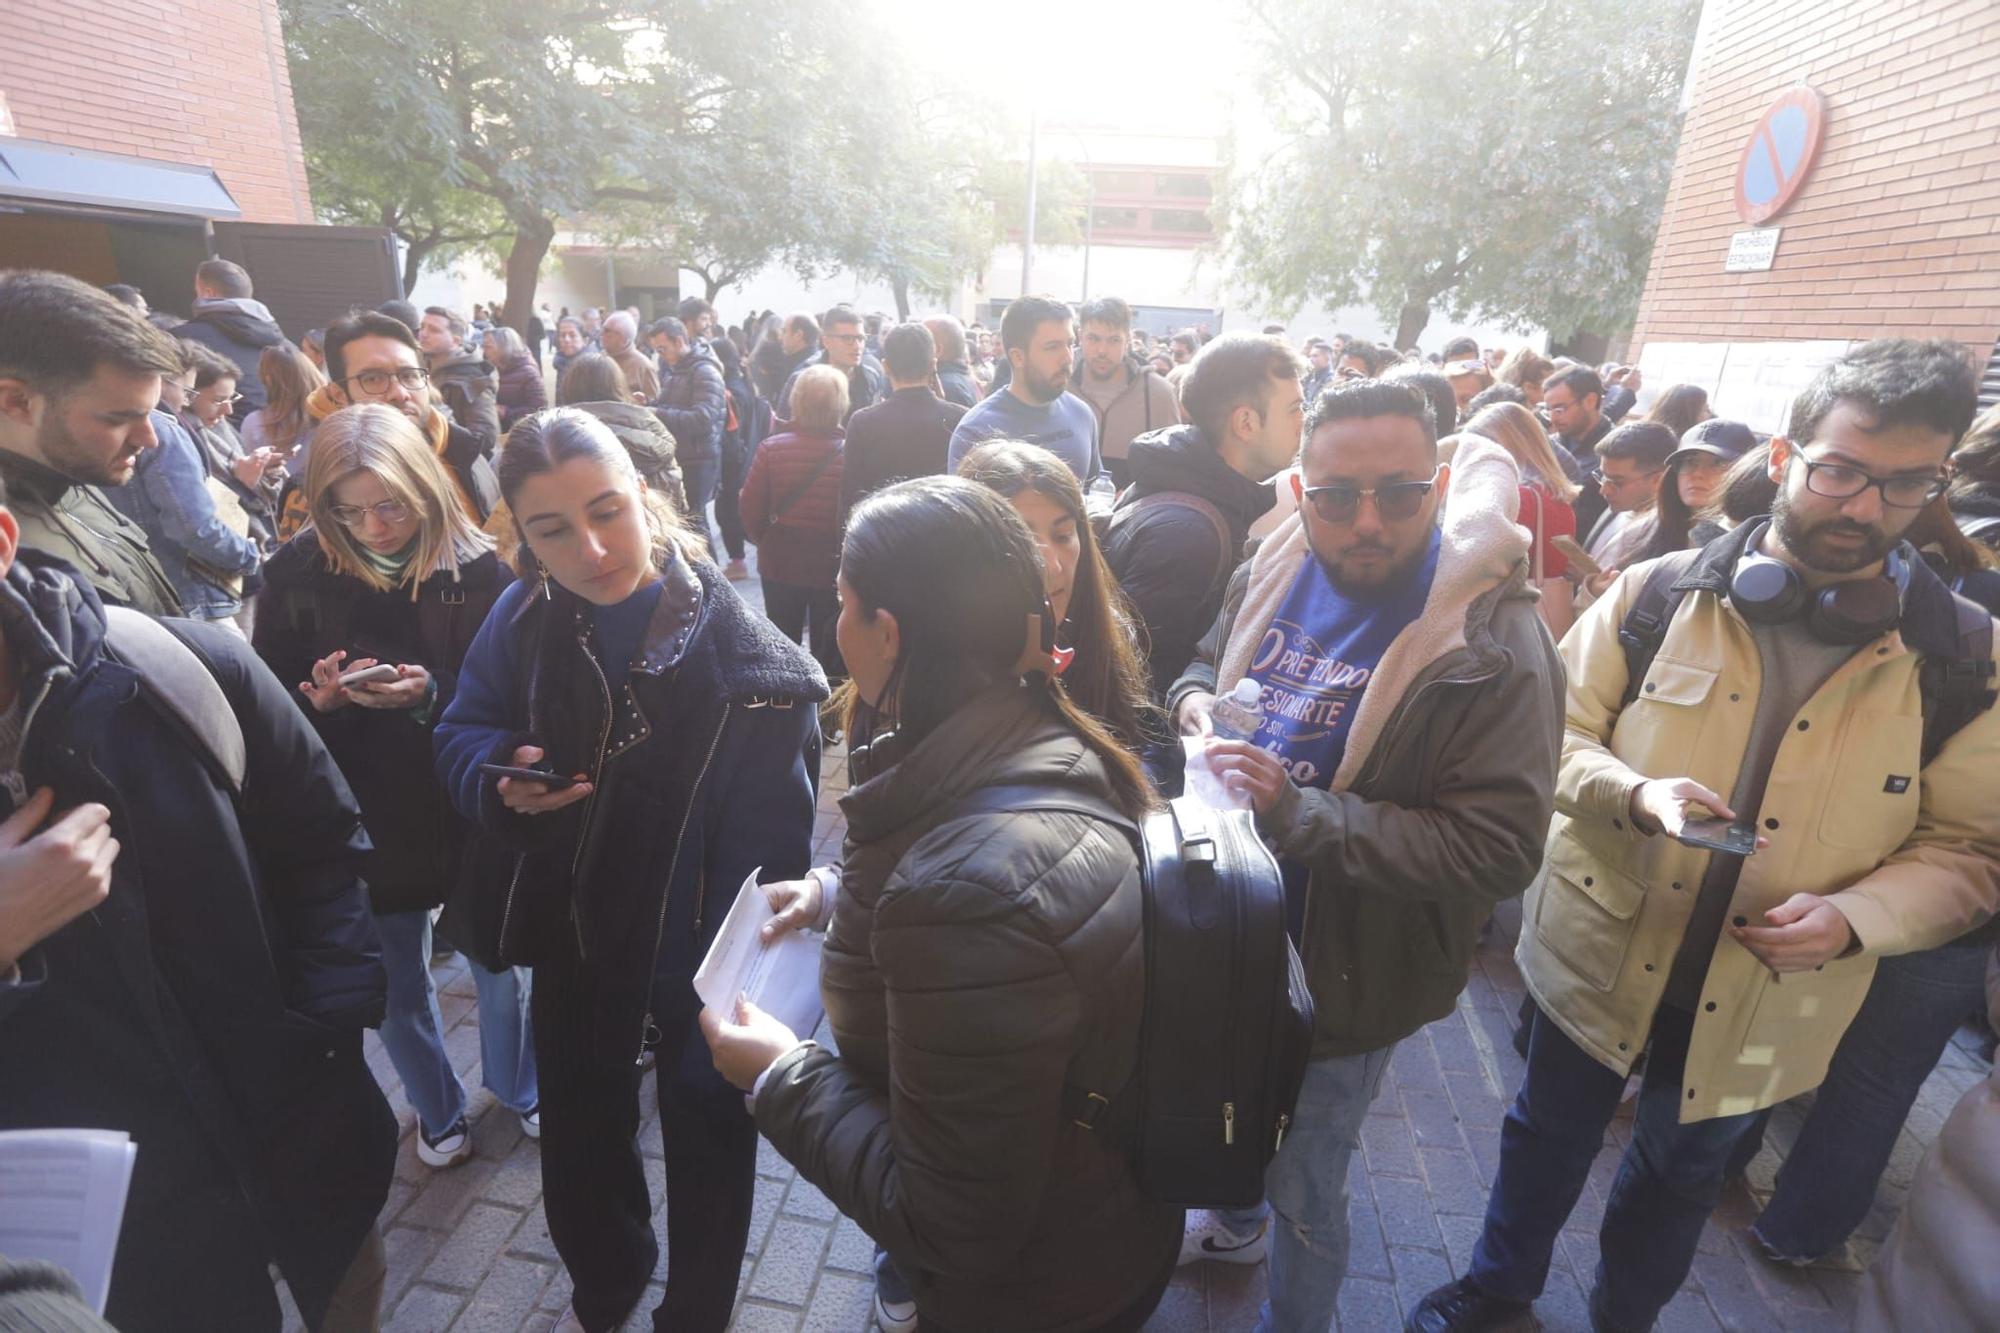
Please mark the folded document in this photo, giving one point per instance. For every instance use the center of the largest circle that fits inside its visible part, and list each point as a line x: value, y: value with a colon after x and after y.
x: 781, y: 978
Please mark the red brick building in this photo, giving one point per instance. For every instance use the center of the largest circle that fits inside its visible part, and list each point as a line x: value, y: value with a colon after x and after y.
x: 1891, y: 227
x: 137, y: 139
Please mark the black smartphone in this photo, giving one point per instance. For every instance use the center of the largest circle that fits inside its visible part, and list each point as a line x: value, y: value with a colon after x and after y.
x: 553, y: 781
x: 1719, y: 835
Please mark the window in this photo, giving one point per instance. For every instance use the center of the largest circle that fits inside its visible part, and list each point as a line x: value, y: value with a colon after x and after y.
x: 1180, y: 220
x: 1179, y: 186
x: 1114, y: 219
x: 1122, y: 182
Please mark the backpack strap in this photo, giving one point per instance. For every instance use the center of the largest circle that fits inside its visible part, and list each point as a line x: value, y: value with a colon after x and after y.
x: 1957, y: 689
x: 1224, y: 565
x: 178, y: 681
x: 1644, y: 628
x: 1982, y: 528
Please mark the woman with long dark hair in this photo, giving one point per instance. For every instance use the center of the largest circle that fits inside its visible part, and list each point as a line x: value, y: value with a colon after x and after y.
x: 1102, y: 670
x: 1680, y: 408
x: 392, y: 570
x: 685, y: 732
x: 1693, y: 483
x: 981, y: 957
x: 1975, y: 481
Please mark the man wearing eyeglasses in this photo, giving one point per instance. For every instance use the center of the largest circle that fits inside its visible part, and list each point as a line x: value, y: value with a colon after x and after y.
x: 842, y: 344
x: 374, y: 358
x: 1631, y: 461
x: 1404, y: 773
x: 1809, y: 685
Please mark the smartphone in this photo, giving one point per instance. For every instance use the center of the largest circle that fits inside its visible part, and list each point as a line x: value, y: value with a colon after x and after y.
x: 1719, y: 835
x: 369, y: 675
x: 1579, y: 559
x: 553, y: 781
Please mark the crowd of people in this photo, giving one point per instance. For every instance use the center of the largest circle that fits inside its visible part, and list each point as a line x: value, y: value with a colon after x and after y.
x: 315, y: 657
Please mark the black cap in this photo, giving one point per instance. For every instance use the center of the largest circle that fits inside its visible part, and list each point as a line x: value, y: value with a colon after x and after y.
x: 1727, y: 440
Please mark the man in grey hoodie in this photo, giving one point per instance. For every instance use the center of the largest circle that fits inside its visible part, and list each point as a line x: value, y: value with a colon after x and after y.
x: 227, y: 320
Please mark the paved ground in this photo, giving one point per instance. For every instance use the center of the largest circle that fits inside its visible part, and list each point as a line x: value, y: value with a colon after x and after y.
x: 469, y: 1249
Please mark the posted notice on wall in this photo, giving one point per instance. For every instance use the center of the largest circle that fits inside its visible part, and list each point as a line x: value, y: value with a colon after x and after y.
x: 1752, y: 251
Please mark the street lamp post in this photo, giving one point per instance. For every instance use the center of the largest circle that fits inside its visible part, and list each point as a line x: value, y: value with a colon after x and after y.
x: 1028, y: 240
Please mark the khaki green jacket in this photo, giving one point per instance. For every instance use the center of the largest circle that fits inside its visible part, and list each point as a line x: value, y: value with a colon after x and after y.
x: 1910, y: 854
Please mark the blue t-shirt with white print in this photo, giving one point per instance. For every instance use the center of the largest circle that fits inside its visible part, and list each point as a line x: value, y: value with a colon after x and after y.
x: 1317, y: 658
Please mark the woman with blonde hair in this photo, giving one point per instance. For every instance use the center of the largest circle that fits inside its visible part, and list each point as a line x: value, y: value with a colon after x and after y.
x: 791, y: 508
x: 1525, y: 369
x: 1548, y: 499
x: 391, y: 578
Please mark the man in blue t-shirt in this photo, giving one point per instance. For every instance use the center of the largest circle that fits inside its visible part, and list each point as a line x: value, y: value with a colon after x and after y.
x: 1413, y: 717
x: 1036, y: 405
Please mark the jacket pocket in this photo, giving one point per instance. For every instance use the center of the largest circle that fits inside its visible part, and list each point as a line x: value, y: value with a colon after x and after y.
x: 1587, y: 912
x: 1874, y: 786
x: 1663, y: 724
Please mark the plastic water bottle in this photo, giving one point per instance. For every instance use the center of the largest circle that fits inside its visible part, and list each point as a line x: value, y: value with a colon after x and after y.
x: 1239, y: 715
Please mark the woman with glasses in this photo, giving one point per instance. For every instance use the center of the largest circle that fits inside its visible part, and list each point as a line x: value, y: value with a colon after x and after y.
x: 391, y: 578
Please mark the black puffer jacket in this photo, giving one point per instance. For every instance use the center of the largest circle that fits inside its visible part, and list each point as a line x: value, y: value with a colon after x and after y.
x: 239, y: 328
x: 212, y: 1005
x: 307, y: 611
x: 693, y: 404
x: 976, y: 964
x: 1167, y: 559
x: 470, y: 387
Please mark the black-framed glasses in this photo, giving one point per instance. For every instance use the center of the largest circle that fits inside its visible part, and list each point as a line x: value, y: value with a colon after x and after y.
x: 1838, y: 481
x: 1396, y: 501
x: 391, y: 512
x: 378, y: 381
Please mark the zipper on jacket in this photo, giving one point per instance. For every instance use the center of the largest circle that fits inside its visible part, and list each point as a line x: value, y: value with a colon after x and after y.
x: 590, y: 801
x: 1229, y: 1122
x: 507, y: 903
x: 646, y: 1026
x: 1284, y: 1123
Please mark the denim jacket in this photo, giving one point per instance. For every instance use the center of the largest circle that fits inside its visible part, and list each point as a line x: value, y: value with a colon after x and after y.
x: 169, y: 497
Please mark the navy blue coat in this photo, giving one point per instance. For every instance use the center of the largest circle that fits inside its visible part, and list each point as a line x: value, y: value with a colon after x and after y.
x: 213, y: 1005
x: 709, y: 774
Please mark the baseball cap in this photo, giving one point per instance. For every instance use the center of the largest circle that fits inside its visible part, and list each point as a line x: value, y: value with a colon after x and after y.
x: 1727, y: 440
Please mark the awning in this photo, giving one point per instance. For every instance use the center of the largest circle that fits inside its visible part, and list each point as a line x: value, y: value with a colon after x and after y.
x: 53, y: 173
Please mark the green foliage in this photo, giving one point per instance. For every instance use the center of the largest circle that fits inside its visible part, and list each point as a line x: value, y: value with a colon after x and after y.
x: 1506, y: 160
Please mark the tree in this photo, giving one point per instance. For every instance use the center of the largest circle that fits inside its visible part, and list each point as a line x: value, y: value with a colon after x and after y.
x: 435, y: 222
x: 560, y: 110
x: 1508, y: 160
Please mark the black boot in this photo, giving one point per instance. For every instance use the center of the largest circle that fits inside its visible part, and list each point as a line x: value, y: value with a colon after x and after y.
x: 1460, y: 1307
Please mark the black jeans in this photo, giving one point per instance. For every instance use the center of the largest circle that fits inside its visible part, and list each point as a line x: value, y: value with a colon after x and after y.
x: 792, y: 607
x: 594, y: 1188
x: 727, y: 515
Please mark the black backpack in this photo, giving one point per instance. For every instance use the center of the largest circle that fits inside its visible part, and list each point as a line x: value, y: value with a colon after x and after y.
x: 1228, y: 1019
x: 1953, y: 690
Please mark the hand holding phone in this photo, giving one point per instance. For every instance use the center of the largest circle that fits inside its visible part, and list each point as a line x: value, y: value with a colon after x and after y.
x: 368, y: 675
x: 1719, y: 835
x: 1579, y: 559
x: 528, y: 790
x: 553, y: 781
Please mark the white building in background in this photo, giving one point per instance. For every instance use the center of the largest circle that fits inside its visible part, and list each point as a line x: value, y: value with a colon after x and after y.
x: 1149, y: 240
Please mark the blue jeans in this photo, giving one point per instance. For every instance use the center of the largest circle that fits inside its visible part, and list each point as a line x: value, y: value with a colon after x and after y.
x: 1306, y: 1185
x: 1667, y: 1184
x: 1827, y: 1183
x: 413, y: 1031
x: 699, y: 478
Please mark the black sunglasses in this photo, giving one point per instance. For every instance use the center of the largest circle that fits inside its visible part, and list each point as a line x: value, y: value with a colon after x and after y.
x: 1396, y: 501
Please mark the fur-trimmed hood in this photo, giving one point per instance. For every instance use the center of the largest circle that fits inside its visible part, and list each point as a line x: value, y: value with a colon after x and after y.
x: 1482, y: 559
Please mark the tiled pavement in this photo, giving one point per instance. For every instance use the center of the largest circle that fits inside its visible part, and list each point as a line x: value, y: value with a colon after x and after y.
x: 469, y: 1249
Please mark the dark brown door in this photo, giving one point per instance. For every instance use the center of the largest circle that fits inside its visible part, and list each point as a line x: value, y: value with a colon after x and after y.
x: 310, y: 276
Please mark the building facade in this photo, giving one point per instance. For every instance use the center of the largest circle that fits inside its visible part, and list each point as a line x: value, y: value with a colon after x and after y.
x: 1838, y: 179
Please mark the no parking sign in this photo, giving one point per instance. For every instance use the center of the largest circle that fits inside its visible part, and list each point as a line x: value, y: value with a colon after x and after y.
x: 1779, y: 154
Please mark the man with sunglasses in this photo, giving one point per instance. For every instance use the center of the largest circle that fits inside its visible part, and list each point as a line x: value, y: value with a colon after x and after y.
x: 1404, y: 773
x: 374, y: 358
x: 1813, y: 687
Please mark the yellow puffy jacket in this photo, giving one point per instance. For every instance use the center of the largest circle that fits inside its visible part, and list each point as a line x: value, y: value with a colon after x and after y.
x: 1911, y: 858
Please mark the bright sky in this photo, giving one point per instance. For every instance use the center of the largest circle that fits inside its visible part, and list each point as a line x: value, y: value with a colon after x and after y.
x: 1169, y: 65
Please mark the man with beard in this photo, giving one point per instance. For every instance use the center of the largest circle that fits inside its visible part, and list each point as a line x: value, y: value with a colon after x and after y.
x: 1801, y: 688
x: 842, y: 345
x: 468, y: 383
x: 1404, y: 772
x: 80, y: 376
x: 1128, y: 398
x: 1035, y: 405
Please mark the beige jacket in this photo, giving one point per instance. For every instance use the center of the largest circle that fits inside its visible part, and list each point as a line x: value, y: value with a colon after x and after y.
x: 1940, y: 1270
x: 1911, y: 859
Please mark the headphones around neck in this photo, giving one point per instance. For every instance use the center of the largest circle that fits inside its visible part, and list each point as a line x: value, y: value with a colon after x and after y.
x: 1767, y: 591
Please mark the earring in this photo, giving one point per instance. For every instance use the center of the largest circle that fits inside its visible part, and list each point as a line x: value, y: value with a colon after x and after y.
x: 546, y: 594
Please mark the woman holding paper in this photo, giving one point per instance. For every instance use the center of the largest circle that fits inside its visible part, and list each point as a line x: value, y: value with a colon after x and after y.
x: 680, y: 734
x: 979, y: 958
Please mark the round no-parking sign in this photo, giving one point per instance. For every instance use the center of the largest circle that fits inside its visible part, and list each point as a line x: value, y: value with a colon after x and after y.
x: 1779, y: 155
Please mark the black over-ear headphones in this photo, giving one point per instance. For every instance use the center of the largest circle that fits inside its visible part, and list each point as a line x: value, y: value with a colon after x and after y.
x: 1766, y: 591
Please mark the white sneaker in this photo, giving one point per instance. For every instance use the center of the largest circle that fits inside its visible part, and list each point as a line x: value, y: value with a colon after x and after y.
x: 895, y: 1316
x: 531, y: 1121
x: 448, y: 1149
x: 1207, y: 1237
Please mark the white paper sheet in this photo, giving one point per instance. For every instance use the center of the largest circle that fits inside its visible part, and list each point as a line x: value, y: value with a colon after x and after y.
x: 781, y: 978
x: 62, y: 1198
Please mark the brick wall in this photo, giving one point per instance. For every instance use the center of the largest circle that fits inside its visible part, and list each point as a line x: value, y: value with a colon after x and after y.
x: 197, y: 81
x: 1895, y: 230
